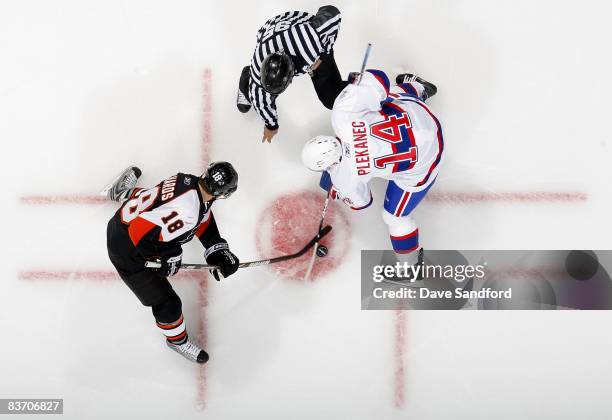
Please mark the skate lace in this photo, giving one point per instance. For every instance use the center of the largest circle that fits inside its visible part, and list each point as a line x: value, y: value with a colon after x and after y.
x: 129, y: 181
x: 190, y: 349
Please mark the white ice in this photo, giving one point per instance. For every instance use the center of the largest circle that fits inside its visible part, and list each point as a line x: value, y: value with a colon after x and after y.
x: 87, y: 88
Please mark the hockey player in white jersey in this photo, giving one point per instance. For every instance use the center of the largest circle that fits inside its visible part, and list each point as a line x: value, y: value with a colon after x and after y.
x: 382, y: 131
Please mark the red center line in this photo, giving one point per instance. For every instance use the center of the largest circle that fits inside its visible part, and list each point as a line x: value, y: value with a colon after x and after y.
x: 47, y: 200
x: 399, y: 362
x: 434, y: 197
x: 206, y: 143
x: 506, y: 197
x: 207, y: 112
x: 202, y: 337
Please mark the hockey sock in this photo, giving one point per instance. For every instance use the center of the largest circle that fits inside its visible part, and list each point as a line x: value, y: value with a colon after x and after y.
x: 407, y: 243
x: 175, y: 332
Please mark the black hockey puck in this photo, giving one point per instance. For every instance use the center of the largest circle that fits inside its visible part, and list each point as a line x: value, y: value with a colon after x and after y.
x: 322, y: 251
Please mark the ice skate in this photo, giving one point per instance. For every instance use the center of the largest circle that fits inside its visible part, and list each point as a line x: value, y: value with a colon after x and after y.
x: 430, y: 88
x: 409, y: 277
x: 189, y: 351
x: 119, y: 189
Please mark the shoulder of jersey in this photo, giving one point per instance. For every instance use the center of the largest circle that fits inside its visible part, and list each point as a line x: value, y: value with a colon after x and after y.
x: 181, y: 188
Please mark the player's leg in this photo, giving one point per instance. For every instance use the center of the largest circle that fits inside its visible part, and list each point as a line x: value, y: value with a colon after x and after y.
x: 415, y: 86
x: 327, y: 80
x: 403, y: 229
x: 156, y: 292
x: 242, y: 99
x: 168, y: 313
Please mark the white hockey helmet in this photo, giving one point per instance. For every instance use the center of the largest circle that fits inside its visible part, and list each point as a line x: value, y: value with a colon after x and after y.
x: 321, y: 152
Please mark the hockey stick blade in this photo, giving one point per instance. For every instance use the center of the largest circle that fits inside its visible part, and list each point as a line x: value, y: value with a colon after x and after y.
x: 257, y: 263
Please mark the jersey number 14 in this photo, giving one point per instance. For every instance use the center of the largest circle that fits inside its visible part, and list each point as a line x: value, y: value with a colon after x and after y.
x: 396, y: 130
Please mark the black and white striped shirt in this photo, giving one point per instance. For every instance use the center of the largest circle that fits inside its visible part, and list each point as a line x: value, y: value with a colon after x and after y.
x: 292, y: 33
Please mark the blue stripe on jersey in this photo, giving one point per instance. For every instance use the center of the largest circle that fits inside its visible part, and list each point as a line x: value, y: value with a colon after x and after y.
x: 394, y: 195
x: 382, y: 78
x: 407, y: 243
x: 409, y: 89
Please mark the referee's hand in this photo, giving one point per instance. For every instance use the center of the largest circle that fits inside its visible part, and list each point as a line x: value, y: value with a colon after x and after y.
x: 268, y: 135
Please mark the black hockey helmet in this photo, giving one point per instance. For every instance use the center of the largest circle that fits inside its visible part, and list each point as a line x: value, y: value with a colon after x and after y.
x: 277, y: 71
x: 220, y: 179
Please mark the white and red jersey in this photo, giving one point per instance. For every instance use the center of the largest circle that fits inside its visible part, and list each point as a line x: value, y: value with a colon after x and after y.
x: 385, y: 133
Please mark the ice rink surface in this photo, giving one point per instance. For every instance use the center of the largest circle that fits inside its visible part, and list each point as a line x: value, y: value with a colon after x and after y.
x: 87, y: 88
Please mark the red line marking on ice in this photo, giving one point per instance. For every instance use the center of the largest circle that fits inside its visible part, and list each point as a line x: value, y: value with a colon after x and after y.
x: 435, y: 197
x: 45, y: 200
x: 205, y: 156
x: 207, y: 112
x: 202, y: 337
x: 561, y: 197
x: 400, y: 349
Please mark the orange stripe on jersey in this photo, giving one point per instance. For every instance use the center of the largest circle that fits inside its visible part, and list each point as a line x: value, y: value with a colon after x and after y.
x: 202, y: 228
x: 177, y: 337
x: 139, y: 227
x: 170, y: 326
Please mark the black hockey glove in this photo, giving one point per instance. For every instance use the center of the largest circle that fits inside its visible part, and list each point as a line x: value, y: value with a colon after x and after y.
x: 170, y: 264
x: 220, y: 255
x: 324, y: 14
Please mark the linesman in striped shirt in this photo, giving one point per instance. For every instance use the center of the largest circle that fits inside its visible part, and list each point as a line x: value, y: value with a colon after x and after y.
x: 290, y: 44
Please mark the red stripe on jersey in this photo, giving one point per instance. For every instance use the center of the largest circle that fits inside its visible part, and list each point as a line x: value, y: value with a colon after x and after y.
x: 402, y: 205
x: 139, y: 227
x: 410, y: 235
x: 203, y: 226
x: 440, y: 144
x: 171, y: 326
x: 177, y: 337
x: 134, y: 192
x: 393, y: 145
x: 366, y: 206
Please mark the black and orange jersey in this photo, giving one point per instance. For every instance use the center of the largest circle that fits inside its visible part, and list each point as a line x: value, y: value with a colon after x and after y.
x: 157, y: 221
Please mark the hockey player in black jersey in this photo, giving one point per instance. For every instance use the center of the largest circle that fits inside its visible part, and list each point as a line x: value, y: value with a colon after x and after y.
x: 152, y: 224
x: 291, y: 44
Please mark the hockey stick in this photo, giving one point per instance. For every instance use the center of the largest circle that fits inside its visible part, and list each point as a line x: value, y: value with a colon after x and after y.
x: 310, y: 244
x: 318, y: 237
x: 365, y: 61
